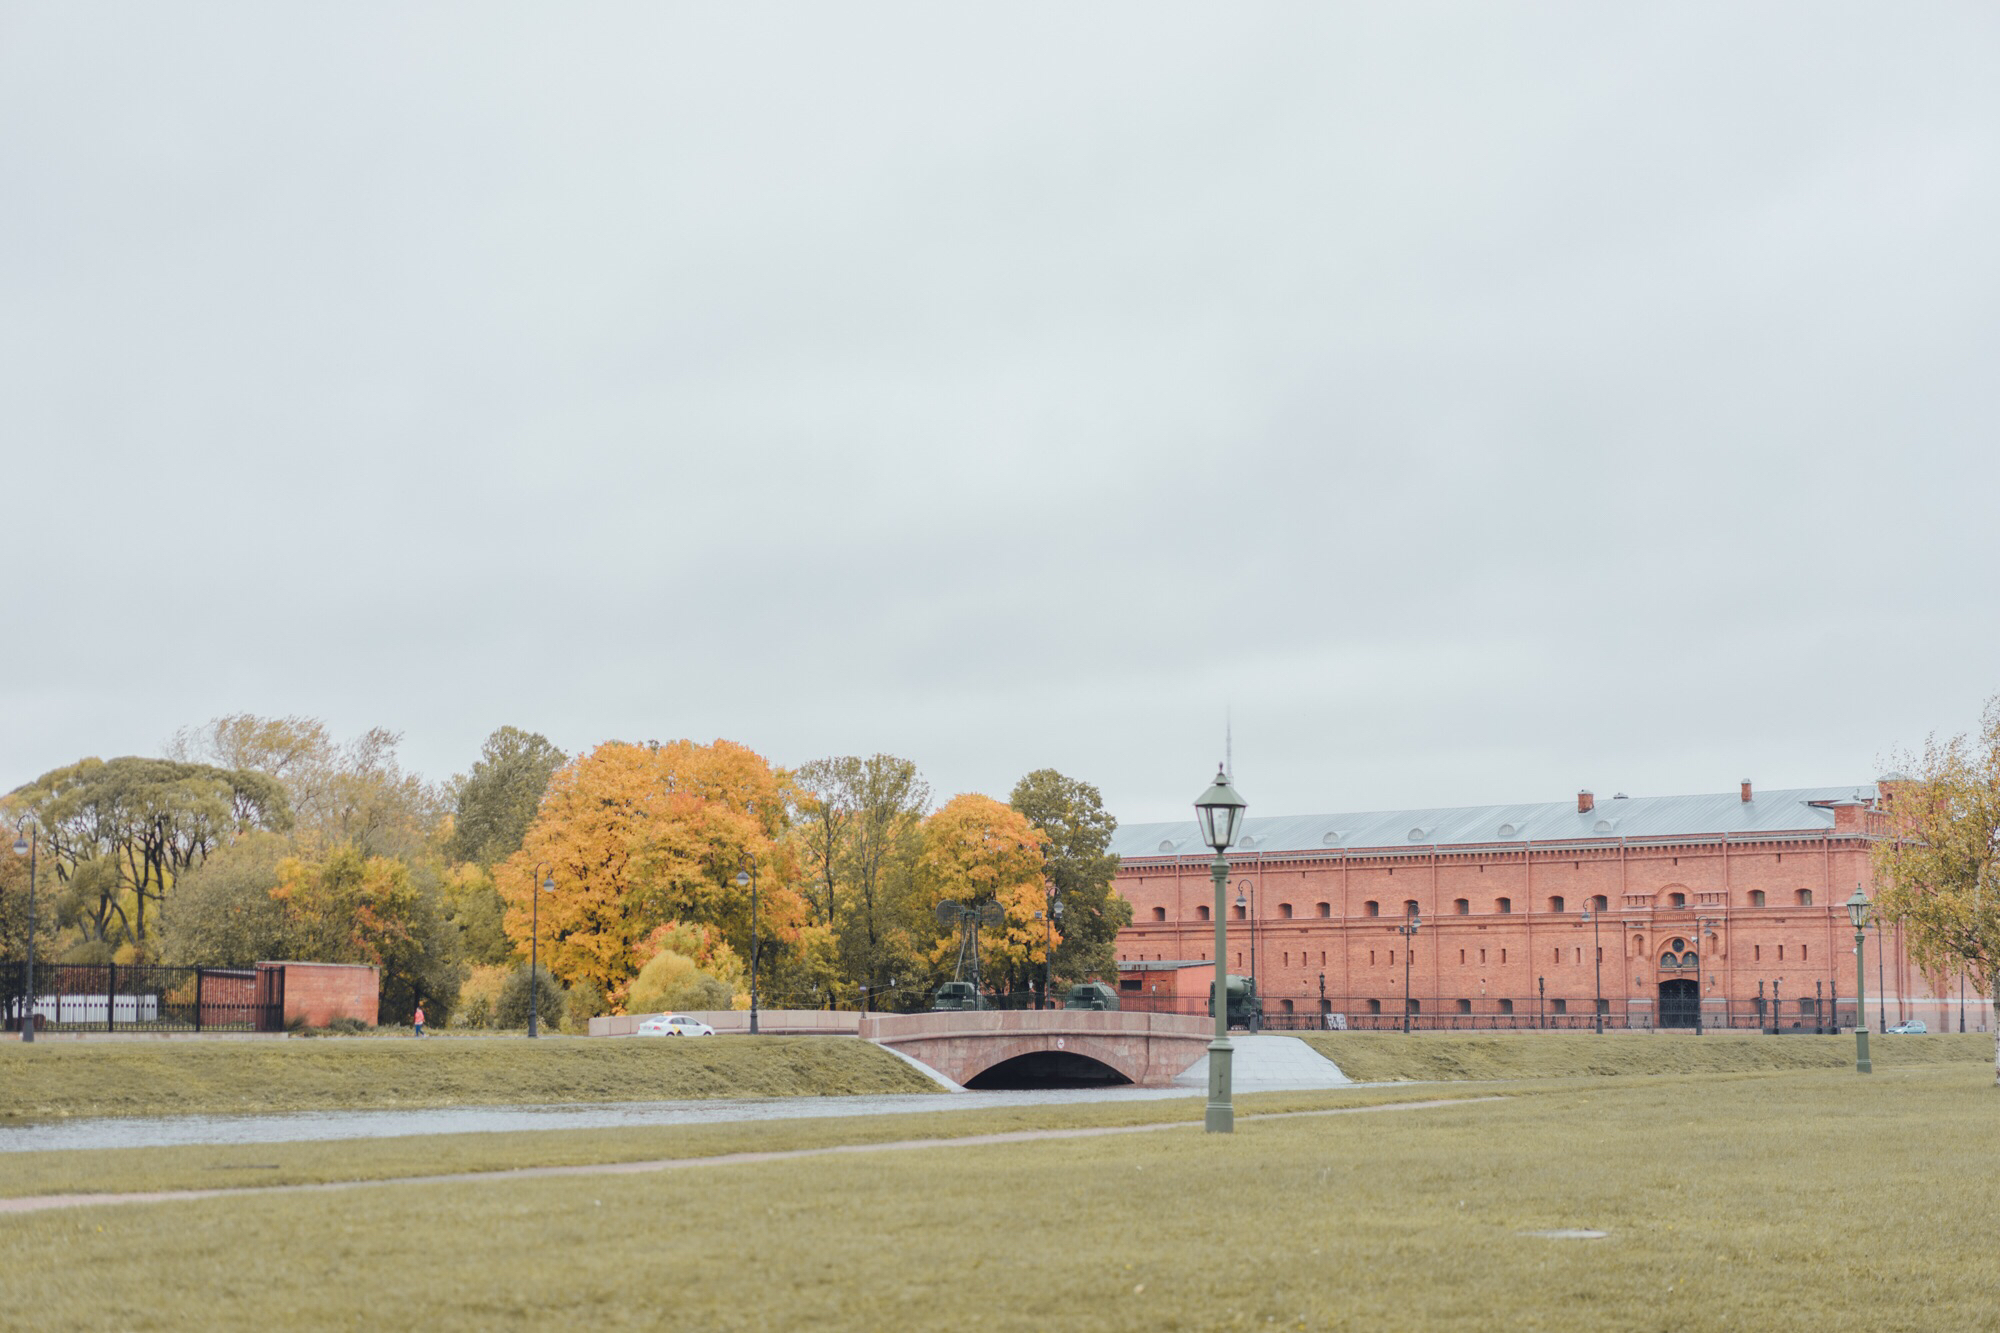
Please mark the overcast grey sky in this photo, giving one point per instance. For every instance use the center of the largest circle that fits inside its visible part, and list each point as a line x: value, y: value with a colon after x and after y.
x: 1481, y: 400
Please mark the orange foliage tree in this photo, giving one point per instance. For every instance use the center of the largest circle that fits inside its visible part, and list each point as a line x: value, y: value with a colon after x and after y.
x: 977, y: 850
x: 640, y: 835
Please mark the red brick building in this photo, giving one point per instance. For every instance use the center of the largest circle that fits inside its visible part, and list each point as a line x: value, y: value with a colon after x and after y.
x: 1735, y: 902
x: 318, y: 993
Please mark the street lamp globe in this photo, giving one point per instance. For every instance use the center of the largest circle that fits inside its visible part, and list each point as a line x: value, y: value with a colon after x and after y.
x: 1219, y: 811
x: 549, y: 884
x: 20, y: 846
x: 1857, y: 908
x: 742, y: 879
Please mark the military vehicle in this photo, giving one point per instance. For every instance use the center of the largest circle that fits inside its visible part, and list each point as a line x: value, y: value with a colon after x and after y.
x: 1245, y: 1009
x: 957, y: 995
x: 1091, y: 995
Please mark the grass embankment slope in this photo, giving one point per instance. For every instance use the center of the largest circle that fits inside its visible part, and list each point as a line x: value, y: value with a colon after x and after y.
x: 1372, y: 1057
x: 47, y: 1079
x: 195, y: 1167
x: 1774, y: 1201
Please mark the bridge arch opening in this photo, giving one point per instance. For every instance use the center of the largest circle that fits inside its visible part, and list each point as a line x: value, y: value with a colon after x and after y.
x: 1046, y: 1069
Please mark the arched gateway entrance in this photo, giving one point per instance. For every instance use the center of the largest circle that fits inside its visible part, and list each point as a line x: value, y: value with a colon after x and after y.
x: 1046, y: 1069
x: 1680, y: 1003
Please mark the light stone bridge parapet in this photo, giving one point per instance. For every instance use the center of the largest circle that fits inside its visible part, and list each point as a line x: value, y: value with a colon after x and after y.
x: 1149, y: 1049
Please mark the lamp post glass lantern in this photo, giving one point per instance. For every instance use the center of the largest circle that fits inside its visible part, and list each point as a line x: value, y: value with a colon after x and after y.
x: 1857, y: 912
x: 1219, y: 814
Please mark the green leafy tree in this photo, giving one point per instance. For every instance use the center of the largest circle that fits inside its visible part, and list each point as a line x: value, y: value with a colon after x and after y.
x: 1080, y: 867
x: 496, y: 802
x: 139, y: 825
x: 826, y: 791
x: 863, y: 834
x: 354, y: 793
x: 222, y: 913
x: 14, y: 899
x: 473, y: 905
x: 346, y: 907
x: 1938, y: 858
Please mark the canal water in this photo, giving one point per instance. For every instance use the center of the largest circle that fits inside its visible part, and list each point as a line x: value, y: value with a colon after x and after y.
x: 302, y: 1126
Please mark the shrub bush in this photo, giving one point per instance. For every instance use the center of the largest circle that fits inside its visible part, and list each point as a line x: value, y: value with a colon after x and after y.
x: 479, y: 998
x: 673, y: 981
x: 585, y: 1001
x: 512, y: 1011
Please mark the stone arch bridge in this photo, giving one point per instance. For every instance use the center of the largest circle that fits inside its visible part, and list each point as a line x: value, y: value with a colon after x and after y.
x: 1009, y: 1047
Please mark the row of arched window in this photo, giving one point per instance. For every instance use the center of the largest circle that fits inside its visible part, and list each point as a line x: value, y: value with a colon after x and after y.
x: 1501, y: 906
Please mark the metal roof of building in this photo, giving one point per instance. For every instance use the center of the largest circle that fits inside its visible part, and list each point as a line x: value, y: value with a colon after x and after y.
x: 1797, y: 809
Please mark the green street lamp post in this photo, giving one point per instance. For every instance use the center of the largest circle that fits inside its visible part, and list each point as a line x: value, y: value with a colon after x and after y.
x: 1881, y: 982
x: 1412, y: 923
x: 1597, y: 952
x: 749, y: 877
x: 1053, y: 915
x: 1219, y: 812
x: 535, y: 892
x: 1248, y: 906
x: 29, y: 845
x: 1857, y: 912
x: 1701, y: 923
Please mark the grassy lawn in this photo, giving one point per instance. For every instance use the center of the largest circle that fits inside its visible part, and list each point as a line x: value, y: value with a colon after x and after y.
x: 125, y: 1170
x: 1369, y: 1057
x: 47, y: 1079
x: 1811, y: 1199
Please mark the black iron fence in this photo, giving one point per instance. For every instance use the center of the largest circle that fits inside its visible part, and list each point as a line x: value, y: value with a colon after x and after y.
x: 1314, y: 1013
x: 147, y: 997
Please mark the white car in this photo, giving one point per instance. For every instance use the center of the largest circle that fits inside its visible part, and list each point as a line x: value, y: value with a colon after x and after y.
x: 1915, y: 1025
x: 674, y: 1025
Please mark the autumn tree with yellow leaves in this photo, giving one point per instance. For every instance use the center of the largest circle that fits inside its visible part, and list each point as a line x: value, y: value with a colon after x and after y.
x: 636, y: 836
x: 977, y: 850
x: 1938, y: 863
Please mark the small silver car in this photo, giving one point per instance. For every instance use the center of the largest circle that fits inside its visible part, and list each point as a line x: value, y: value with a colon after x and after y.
x: 674, y: 1025
x: 1915, y: 1025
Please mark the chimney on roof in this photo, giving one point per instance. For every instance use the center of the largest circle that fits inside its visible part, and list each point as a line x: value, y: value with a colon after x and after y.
x: 1585, y: 802
x: 1746, y: 789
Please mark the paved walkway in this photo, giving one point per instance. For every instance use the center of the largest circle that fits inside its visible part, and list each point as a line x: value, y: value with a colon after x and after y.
x: 36, y: 1203
x: 1268, y: 1063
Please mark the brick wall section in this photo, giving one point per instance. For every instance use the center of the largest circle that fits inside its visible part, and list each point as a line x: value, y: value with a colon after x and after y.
x: 1518, y: 928
x: 318, y: 993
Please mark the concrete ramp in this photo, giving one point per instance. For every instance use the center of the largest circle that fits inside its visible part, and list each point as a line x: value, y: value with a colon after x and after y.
x: 1270, y: 1064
